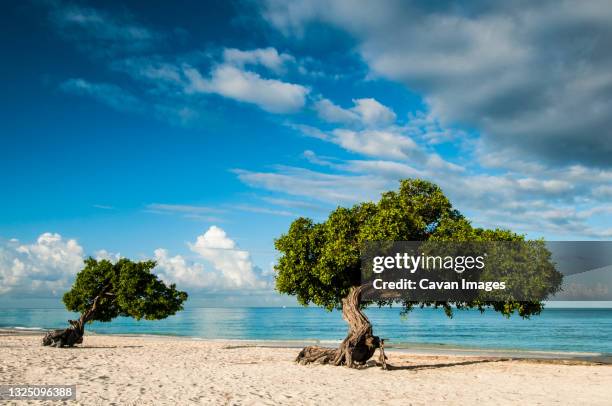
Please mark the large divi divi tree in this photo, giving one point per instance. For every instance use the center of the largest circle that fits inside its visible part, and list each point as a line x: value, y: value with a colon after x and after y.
x: 320, y: 262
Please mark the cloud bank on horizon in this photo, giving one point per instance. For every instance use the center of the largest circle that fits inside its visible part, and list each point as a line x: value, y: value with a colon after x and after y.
x: 50, y: 264
x: 513, y: 119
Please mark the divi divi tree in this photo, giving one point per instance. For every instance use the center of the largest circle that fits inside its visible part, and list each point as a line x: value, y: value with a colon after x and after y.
x: 104, y: 290
x: 320, y: 262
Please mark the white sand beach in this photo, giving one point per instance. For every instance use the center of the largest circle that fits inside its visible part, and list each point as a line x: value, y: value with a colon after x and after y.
x: 166, y: 371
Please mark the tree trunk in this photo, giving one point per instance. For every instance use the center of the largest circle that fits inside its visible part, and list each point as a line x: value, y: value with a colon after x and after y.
x: 73, y: 334
x: 358, y: 346
x: 67, y: 337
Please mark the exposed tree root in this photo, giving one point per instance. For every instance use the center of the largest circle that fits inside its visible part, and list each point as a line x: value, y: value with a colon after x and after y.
x: 65, y: 338
x: 73, y: 334
x: 358, y: 346
x: 316, y: 354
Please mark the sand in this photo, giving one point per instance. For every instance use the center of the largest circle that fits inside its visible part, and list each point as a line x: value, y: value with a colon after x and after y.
x: 166, y: 371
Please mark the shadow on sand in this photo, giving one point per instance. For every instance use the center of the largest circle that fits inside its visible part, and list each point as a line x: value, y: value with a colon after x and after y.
x: 88, y: 347
x: 419, y: 367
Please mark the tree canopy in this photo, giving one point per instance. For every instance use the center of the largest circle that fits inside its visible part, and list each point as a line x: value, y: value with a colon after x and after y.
x: 104, y: 290
x: 320, y: 262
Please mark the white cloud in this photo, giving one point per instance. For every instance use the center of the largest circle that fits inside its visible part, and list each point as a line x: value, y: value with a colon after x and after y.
x: 176, y: 269
x: 435, y: 162
x: 234, y: 264
x: 309, y: 131
x: 229, y: 81
x: 373, y: 113
x: 313, y: 158
x: 232, y: 268
x: 377, y: 143
x: 109, y: 256
x: 367, y: 112
x: 370, y: 128
x: 268, y: 57
x: 333, y: 113
x: 383, y: 168
x: 551, y: 186
x: 47, y: 265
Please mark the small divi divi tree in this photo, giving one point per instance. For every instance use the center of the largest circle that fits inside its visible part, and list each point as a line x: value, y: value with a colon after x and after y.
x: 103, y: 290
x: 320, y: 262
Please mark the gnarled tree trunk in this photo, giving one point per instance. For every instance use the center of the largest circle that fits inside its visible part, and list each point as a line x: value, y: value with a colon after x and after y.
x: 73, y: 334
x: 358, y: 346
x: 67, y: 337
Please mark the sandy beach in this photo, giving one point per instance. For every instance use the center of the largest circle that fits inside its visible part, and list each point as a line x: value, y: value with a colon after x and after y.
x: 151, y: 370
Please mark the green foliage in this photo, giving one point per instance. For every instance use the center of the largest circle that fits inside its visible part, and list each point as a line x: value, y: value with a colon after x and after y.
x: 320, y: 262
x: 125, y: 288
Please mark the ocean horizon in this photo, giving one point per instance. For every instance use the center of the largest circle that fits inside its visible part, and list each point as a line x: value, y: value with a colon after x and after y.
x: 562, y: 331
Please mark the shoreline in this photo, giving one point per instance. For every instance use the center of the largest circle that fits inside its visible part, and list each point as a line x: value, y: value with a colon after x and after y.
x: 417, y: 349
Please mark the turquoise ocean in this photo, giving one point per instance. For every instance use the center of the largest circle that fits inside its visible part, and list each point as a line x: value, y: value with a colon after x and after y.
x: 579, y: 332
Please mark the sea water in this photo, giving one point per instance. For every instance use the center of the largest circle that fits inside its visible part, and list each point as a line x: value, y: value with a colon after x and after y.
x: 555, y: 330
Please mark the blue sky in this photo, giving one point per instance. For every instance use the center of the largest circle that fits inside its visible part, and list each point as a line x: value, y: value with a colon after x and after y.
x: 195, y: 134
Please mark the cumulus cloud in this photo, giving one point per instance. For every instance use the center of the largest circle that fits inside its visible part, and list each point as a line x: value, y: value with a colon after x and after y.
x: 372, y: 112
x: 231, y: 78
x: 533, y: 77
x: 106, y: 255
x: 219, y: 265
x: 333, y: 113
x: 267, y: 57
x: 272, y: 95
x: 367, y: 112
x: 374, y: 130
x: 370, y: 128
x: 46, y: 266
x: 385, y: 169
x: 49, y: 265
x: 377, y: 143
x: 176, y: 269
x: 181, y: 78
x: 233, y: 263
